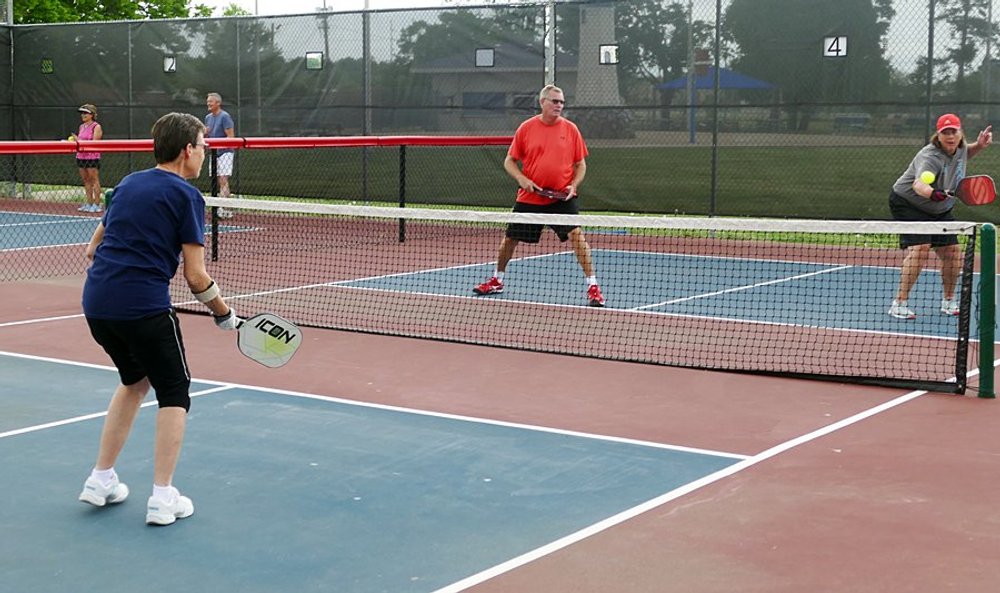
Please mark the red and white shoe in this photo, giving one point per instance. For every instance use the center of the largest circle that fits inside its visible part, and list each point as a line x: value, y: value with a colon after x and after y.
x: 950, y: 306
x: 594, y: 296
x: 492, y: 286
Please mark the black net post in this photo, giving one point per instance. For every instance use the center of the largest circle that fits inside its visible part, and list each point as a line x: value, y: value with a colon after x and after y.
x: 965, y: 315
x: 214, y: 161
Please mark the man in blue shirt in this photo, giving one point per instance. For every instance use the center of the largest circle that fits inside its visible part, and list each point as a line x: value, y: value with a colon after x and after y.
x: 220, y: 125
x: 156, y: 215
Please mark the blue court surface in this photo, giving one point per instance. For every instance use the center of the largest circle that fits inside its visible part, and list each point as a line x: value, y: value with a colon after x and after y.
x: 820, y: 295
x: 22, y: 230
x: 300, y: 493
x: 754, y: 290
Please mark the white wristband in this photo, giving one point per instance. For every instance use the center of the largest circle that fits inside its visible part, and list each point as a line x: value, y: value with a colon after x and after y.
x: 209, y: 293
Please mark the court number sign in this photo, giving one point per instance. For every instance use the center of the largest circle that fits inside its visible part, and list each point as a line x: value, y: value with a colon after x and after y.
x: 170, y: 63
x: 835, y: 47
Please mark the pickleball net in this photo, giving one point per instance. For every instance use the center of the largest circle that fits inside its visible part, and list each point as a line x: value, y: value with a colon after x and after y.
x: 789, y: 297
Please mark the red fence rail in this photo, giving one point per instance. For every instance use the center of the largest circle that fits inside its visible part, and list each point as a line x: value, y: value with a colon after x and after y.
x: 71, y: 146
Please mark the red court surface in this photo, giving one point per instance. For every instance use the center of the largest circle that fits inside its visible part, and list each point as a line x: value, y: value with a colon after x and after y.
x: 900, y: 500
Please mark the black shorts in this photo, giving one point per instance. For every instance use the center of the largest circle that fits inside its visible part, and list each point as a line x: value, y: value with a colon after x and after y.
x: 88, y: 163
x: 148, y: 347
x: 904, y: 211
x: 530, y: 233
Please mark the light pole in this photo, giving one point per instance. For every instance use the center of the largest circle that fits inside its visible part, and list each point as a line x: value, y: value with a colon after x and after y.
x: 987, y: 91
x: 691, y: 92
x: 366, y: 99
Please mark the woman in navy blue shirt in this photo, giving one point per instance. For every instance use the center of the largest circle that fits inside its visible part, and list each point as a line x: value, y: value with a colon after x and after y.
x: 156, y: 216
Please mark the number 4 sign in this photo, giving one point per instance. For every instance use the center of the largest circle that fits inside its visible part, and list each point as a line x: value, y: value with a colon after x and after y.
x: 835, y: 47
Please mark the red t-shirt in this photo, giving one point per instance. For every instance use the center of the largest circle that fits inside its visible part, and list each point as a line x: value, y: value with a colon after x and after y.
x: 547, y: 154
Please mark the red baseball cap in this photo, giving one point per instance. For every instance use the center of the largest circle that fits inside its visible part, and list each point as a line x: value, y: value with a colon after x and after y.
x: 948, y: 120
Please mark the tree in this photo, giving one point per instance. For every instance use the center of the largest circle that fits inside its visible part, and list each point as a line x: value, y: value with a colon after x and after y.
x: 654, y: 41
x: 422, y: 42
x: 885, y: 12
x: 969, y: 19
x: 235, y: 10
x: 68, y: 11
x: 510, y: 28
x: 778, y: 41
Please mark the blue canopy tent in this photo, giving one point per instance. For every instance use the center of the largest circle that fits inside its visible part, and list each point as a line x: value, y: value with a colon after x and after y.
x: 728, y: 80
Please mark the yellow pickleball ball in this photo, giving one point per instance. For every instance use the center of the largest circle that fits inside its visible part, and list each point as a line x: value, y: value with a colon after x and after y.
x: 927, y: 177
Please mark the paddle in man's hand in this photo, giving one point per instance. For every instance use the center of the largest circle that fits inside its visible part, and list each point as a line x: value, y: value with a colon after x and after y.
x: 554, y: 194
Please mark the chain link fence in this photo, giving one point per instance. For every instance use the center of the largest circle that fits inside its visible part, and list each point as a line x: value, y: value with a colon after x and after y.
x: 720, y: 107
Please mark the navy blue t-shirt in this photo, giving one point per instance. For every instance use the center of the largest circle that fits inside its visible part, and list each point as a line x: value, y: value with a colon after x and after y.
x: 153, y: 213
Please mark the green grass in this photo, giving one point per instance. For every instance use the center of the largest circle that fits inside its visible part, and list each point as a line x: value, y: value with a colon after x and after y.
x: 867, y: 241
x: 844, y: 182
x: 800, y: 182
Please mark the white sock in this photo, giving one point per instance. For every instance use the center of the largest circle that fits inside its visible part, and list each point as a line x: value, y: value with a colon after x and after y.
x: 498, y: 275
x: 165, y: 493
x: 104, y: 476
x: 591, y: 280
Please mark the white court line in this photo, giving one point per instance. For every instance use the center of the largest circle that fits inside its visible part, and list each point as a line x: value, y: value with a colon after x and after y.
x: 40, y: 320
x: 22, y: 213
x: 640, y: 309
x: 649, y: 505
x: 972, y: 339
x: 769, y: 260
x: 341, y: 283
x: 17, y: 214
x: 442, y: 269
x: 84, y: 417
x: 739, y: 288
x: 491, y: 422
x: 7, y: 225
x: 608, y: 310
x: 221, y: 386
x: 49, y: 246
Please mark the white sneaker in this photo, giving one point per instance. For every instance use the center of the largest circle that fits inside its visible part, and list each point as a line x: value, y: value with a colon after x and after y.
x: 84, y: 208
x: 99, y: 495
x: 950, y: 306
x: 223, y: 213
x: 899, y: 310
x: 165, y: 512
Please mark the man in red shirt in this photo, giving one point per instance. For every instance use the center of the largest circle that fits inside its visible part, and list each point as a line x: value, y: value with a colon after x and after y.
x: 552, y: 155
